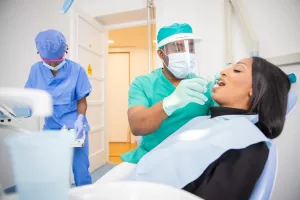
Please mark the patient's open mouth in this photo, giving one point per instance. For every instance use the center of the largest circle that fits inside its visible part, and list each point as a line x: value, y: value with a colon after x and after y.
x: 221, y: 83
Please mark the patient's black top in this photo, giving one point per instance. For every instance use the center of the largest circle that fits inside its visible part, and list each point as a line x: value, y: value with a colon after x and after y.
x: 234, y: 175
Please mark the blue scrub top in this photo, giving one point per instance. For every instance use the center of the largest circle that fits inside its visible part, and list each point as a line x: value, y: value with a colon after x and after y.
x: 69, y: 85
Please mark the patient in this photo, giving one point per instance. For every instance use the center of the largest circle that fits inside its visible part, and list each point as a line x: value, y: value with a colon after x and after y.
x: 252, y: 86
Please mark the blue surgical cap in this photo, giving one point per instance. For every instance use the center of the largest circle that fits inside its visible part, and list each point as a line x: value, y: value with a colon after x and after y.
x: 51, y: 44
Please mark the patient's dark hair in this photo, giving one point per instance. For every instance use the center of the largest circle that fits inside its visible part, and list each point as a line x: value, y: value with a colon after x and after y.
x: 270, y: 88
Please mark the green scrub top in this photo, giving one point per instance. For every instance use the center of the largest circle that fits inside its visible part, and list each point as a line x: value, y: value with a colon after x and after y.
x: 147, y: 90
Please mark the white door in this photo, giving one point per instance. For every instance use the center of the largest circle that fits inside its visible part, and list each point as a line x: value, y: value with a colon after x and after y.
x: 118, y: 85
x: 88, y: 47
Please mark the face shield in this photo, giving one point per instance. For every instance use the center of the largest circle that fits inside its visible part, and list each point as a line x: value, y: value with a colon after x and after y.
x: 181, y: 58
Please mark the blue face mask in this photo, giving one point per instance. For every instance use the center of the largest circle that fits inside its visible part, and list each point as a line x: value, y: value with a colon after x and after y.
x: 55, y: 68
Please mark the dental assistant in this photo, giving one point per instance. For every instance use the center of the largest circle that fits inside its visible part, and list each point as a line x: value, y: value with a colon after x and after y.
x: 68, y: 84
x: 164, y: 100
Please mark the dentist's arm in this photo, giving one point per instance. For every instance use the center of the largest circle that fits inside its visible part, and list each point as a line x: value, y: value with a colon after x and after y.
x: 144, y: 119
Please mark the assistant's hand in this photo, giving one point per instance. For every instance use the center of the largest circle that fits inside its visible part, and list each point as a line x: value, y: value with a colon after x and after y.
x: 79, y: 127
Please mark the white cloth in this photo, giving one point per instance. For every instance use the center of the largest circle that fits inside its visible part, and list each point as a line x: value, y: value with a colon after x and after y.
x: 184, y: 156
x: 118, y: 173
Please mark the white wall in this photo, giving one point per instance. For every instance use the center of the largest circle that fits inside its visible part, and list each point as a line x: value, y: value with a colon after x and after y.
x: 277, y: 26
x: 20, y: 22
x: 206, y: 19
x: 138, y: 60
x: 104, y: 7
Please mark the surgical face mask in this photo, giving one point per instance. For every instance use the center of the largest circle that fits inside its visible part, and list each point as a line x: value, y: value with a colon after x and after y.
x: 55, y: 68
x: 181, y: 64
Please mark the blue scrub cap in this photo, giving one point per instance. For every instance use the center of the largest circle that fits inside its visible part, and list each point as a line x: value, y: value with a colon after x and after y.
x: 51, y: 44
x: 175, y: 32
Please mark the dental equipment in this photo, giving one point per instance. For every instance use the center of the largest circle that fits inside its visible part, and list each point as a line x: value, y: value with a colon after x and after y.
x: 29, y: 152
x: 235, y: 6
x: 66, y: 6
x: 13, y: 106
x: 78, y: 142
x: 39, y: 101
x: 41, y: 171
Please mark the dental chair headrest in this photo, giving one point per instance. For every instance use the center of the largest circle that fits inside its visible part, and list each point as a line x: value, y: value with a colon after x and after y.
x: 292, y: 96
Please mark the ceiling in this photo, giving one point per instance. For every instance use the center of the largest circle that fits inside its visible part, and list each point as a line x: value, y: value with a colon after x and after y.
x: 111, y: 12
x: 133, y: 37
x: 96, y: 8
x: 125, y: 17
x: 117, y: 12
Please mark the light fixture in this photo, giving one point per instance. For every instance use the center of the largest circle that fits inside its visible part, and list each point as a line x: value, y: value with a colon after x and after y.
x: 111, y: 41
x: 154, y: 41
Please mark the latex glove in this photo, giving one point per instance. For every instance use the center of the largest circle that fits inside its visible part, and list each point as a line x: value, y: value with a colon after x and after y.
x: 217, y: 76
x: 79, y: 127
x: 30, y: 112
x: 189, y: 90
x: 212, y: 81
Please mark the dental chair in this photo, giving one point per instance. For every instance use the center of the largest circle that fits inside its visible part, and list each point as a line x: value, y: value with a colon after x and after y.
x: 265, y: 184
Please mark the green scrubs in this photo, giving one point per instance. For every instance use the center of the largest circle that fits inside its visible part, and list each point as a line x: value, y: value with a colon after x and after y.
x: 148, y: 90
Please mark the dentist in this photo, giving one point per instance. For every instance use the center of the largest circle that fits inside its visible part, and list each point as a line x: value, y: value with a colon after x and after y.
x: 167, y: 98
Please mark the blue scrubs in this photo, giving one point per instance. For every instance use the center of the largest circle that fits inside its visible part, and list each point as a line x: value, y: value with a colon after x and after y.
x: 66, y: 88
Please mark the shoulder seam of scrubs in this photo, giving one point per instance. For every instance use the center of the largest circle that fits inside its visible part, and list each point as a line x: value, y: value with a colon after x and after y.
x: 85, y: 94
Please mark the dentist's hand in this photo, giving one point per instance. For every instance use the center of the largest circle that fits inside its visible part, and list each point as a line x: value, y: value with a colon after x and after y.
x: 212, y: 81
x: 217, y: 76
x: 188, y: 91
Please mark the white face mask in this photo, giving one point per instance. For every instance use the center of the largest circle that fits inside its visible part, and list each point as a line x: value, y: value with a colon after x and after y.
x: 181, y: 64
x: 55, y: 68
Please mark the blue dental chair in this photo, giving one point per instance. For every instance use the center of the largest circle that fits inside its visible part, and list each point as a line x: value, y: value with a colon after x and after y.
x: 265, y: 184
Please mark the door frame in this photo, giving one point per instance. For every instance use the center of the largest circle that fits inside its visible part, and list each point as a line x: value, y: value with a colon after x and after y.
x: 129, y: 81
x: 75, y: 14
x: 129, y: 62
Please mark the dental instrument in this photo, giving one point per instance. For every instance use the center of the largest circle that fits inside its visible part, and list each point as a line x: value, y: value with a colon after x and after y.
x: 66, y: 6
x: 79, y: 142
x: 14, y: 105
